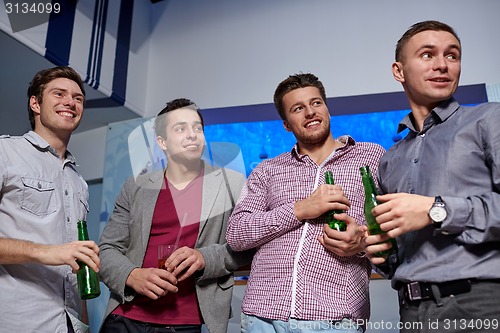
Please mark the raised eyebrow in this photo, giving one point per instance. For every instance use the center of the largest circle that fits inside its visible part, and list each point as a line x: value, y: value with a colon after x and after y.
x: 293, y: 106
x: 426, y: 47
x: 433, y: 47
x: 456, y: 47
x: 179, y: 123
x: 66, y: 91
x: 184, y: 123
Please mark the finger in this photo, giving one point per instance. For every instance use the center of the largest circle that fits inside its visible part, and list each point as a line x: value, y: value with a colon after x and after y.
x: 377, y: 260
x: 88, y: 260
x: 74, y: 266
x: 372, y: 249
x: 92, y: 245
x: 360, y: 230
x: 387, y: 197
x: 187, y: 273
x: 177, y: 258
x: 321, y: 239
x: 375, y: 239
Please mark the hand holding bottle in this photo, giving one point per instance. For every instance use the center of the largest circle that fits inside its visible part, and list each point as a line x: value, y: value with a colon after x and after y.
x: 373, y: 227
x: 344, y: 243
x: 330, y: 215
x: 399, y: 213
x: 323, y: 199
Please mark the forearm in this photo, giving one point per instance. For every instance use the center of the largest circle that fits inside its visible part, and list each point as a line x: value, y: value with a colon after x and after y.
x: 221, y: 260
x: 250, y: 229
x: 16, y: 251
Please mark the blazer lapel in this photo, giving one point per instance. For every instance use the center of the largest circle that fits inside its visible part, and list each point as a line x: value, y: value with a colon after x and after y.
x: 150, y: 189
x: 212, y: 182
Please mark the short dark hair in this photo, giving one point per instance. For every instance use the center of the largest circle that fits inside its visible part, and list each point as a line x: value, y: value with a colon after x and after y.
x: 179, y: 103
x: 42, y: 78
x: 293, y: 82
x: 420, y: 27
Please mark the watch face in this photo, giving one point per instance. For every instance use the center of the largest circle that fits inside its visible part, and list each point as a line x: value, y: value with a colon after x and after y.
x: 437, y: 213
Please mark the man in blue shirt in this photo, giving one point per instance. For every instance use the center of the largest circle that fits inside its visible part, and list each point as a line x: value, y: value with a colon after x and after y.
x: 443, y: 193
x: 42, y: 197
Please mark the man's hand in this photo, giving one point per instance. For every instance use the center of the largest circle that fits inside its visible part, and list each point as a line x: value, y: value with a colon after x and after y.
x: 399, y: 213
x: 152, y: 282
x: 84, y: 251
x: 17, y: 251
x: 323, y: 199
x: 184, y: 262
x: 343, y: 243
x: 376, y: 243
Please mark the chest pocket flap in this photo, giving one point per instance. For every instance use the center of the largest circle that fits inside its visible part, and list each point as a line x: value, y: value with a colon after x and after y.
x: 38, y: 196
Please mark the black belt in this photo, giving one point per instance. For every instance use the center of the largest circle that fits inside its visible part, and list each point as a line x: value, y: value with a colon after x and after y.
x: 418, y: 291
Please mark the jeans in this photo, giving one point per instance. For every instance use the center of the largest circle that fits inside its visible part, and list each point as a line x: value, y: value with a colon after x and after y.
x: 253, y: 324
x: 119, y: 324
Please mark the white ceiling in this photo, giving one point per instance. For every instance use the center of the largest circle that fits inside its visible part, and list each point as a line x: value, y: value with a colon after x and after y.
x: 18, y: 65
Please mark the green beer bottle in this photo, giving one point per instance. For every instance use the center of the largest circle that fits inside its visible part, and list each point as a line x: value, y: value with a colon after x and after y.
x: 330, y: 220
x: 370, y: 203
x: 88, y: 281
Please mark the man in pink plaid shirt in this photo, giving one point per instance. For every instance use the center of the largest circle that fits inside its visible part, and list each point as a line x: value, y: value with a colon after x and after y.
x: 305, y: 276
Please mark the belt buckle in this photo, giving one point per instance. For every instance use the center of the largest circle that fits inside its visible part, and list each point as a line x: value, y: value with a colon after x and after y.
x: 414, y: 292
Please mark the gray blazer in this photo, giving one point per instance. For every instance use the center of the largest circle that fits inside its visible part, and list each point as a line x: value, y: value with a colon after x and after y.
x: 125, y: 238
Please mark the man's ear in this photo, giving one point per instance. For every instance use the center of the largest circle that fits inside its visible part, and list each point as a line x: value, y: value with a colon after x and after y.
x: 161, y: 142
x: 286, y: 125
x: 34, y: 105
x: 397, y: 71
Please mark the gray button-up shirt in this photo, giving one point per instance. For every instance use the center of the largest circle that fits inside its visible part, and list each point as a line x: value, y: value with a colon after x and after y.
x: 456, y: 156
x: 41, y: 200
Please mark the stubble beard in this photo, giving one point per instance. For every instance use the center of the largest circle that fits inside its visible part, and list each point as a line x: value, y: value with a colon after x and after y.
x: 315, y: 138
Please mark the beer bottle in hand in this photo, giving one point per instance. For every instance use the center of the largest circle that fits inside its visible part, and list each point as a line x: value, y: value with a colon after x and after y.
x: 330, y: 220
x: 370, y: 203
x: 88, y: 282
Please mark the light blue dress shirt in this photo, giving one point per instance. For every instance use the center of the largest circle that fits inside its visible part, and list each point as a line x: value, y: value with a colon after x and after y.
x: 41, y: 200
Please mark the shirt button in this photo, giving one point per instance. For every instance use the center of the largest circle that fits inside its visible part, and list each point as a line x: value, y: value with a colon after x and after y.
x: 39, y: 185
x: 67, y: 219
x: 66, y: 192
x: 415, y: 160
x: 407, y: 260
x: 412, y: 191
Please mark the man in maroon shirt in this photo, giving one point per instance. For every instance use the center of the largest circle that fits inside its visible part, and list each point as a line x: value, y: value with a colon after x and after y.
x: 187, y: 204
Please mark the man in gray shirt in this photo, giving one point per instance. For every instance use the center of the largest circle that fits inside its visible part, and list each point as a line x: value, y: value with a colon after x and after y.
x: 443, y: 185
x: 42, y: 197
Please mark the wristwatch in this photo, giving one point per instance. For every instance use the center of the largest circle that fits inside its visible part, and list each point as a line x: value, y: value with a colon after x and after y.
x: 438, y: 213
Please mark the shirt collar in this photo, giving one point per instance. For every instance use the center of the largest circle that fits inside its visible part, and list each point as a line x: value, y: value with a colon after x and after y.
x: 37, y: 141
x: 346, y: 140
x: 443, y: 111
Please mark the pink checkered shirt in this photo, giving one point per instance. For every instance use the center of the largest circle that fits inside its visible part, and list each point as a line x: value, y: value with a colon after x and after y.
x: 292, y: 274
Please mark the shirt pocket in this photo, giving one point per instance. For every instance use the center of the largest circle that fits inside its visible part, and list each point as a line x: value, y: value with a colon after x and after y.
x: 83, y: 207
x: 38, y: 197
